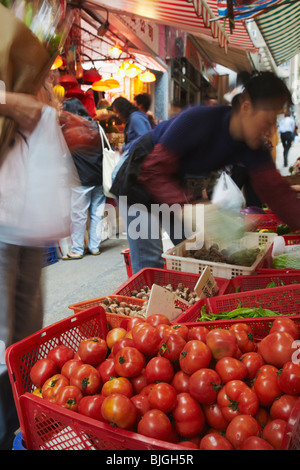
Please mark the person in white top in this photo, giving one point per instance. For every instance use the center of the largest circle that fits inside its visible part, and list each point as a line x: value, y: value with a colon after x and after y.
x: 286, y: 129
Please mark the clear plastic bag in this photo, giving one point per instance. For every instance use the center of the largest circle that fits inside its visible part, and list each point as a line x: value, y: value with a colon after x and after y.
x: 227, y: 195
x: 35, y: 186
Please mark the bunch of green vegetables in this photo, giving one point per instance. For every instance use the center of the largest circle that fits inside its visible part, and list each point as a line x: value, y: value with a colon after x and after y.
x: 45, y: 18
x: 239, y: 312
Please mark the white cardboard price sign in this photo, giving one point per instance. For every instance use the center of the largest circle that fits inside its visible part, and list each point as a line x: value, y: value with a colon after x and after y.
x: 162, y: 301
x: 207, y: 285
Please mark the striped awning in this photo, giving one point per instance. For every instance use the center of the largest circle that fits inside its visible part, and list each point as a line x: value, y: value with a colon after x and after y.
x: 280, y: 28
x: 196, y: 17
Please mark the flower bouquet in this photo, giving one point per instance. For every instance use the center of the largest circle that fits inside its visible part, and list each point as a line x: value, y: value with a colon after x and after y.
x: 295, y: 169
x: 31, y: 36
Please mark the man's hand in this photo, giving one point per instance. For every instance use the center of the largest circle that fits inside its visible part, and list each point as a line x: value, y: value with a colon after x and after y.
x: 24, y: 109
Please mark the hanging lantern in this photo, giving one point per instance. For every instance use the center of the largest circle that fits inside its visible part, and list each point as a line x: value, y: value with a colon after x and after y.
x: 57, y: 63
x: 91, y: 76
x: 112, y: 82
x: 68, y: 81
x: 100, y: 85
x: 147, y: 77
x: 75, y: 92
x: 133, y: 70
x: 115, y: 51
x: 123, y: 68
x: 59, y: 92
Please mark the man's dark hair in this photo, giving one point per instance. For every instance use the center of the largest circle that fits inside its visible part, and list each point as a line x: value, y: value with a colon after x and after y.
x: 124, y: 107
x: 144, y: 100
x: 266, y: 88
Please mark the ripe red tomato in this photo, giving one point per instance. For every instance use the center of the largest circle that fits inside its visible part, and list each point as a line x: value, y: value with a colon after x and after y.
x: 117, y: 385
x: 92, y: 350
x: 155, y: 424
x: 122, y: 343
x: 266, y: 385
x: 107, y: 369
x: 114, y: 335
x: 230, y: 368
x: 198, y: 332
x: 146, y: 339
x: 204, y: 385
x: 164, y: 330
x: 188, y: 416
x: 60, y: 354
x: 180, y: 381
x: 163, y: 397
x: 276, y: 348
x: 119, y: 410
x: 69, y: 397
x: 86, y: 378
x: 42, y: 370
x: 244, y: 336
x: 129, y: 362
x: 159, y: 369
x: 188, y: 444
x: 286, y: 324
x: 236, y: 398
x: 141, y: 403
x: 215, y: 441
x: 274, y: 432
x: 171, y: 346
x: 214, y: 417
x: 139, y: 382
x: 240, y: 428
x: 181, y: 329
x: 52, y: 386
x: 195, y: 355
x: 256, y: 443
x: 91, y: 405
x: 69, y: 366
x: 157, y: 319
x: 253, y: 361
x: 222, y: 343
x: 282, y: 407
x: 132, y: 321
x: 289, y: 378
x: 263, y: 417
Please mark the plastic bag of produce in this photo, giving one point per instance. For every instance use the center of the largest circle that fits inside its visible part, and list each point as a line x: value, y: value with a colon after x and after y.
x: 31, y: 34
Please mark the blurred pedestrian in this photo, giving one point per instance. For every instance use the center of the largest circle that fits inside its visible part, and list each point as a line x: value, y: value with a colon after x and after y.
x: 286, y: 129
x: 83, y: 139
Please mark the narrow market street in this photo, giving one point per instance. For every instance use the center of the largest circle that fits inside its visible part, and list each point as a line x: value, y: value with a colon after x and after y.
x: 66, y: 283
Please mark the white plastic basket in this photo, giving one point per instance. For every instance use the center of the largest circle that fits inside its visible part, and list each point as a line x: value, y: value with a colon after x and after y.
x: 177, y: 262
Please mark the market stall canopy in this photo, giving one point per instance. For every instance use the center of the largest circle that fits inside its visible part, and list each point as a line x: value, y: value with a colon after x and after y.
x: 197, y: 17
x: 280, y: 28
x: 235, y: 59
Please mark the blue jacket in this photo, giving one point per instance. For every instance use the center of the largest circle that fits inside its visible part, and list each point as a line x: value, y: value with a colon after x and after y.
x: 136, y: 126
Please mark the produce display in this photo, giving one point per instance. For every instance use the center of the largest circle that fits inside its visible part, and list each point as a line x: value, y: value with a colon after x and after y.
x: 244, y: 257
x: 113, y: 305
x: 181, y: 291
x: 290, y: 260
x: 198, y: 387
x: 239, y: 312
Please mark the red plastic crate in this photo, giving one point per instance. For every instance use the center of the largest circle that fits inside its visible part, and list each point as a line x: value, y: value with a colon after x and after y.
x: 47, y: 426
x: 248, y: 283
x: 126, y: 255
x: 113, y: 319
x: 255, y: 222
x: 285, y: 300
x: 265, y: 266
x: 162, y: 277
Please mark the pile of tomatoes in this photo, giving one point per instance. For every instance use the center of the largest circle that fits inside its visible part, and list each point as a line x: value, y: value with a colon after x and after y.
x: 197, y: 387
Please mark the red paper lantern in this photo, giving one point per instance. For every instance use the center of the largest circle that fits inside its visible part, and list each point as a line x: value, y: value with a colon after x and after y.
x: 68, y: 81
